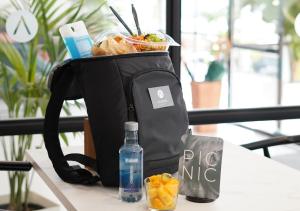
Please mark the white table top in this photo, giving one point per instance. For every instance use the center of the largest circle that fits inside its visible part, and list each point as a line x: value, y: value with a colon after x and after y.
x: 249, y: 182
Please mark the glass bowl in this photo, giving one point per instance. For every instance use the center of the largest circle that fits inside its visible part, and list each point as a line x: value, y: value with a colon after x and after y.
x: 161, y: 192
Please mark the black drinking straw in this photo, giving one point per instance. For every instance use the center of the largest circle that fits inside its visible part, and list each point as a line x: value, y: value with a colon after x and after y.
x: 189, y: 71
x: 136, y: 20
x: 121, y: 20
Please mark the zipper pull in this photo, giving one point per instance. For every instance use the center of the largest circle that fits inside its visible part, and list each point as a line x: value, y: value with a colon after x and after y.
x: 131, y: 113
x: 131, y: 107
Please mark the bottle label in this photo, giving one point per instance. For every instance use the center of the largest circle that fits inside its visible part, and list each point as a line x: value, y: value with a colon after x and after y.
x: 83, y: 45
x: 131, y: 176
x: 131, y: 160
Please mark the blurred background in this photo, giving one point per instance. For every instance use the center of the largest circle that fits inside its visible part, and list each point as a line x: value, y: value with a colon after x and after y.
x: 234, y: 54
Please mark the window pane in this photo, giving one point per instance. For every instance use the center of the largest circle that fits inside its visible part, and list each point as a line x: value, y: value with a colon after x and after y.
x: 255, y: 22
x: 254, y: 78
x: 152, y: 14
x: 204, y: 40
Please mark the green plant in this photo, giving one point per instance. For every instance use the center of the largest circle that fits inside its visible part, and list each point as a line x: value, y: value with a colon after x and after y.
x: 289, y: 29
x: 269, y: 8
x: 215, y: 71
x: 23, y: 73
x: 271, y: 13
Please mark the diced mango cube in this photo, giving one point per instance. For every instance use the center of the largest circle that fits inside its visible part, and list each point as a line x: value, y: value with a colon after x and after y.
x: 165, y: 178
x: 155, y: 178
x: 157, y: 204
x: 152, y: 192
x: 155, y: 184
x: 171, y: 189
x: 164, y: 196
x: 174, y: 181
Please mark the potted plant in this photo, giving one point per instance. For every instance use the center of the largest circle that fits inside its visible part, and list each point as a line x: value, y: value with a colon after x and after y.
x: 23, y: 77
x: 207, y: 94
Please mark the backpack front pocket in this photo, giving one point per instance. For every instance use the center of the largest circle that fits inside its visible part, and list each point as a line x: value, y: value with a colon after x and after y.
x: 155, y: 100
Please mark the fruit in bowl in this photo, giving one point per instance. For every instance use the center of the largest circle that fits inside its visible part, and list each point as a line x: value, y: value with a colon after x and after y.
x: 162, y: 191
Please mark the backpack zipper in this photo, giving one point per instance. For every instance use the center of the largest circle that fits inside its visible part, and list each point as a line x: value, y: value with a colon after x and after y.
x: 131, y: 112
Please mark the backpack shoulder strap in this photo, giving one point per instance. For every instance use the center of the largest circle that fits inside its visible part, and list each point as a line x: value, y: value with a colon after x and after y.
x: 70, y: 174
x: 82, y: 159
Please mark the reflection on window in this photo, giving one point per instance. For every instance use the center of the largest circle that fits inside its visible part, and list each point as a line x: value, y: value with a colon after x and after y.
x: 204, y: 53
x: 255, y: 22
x: 254, y: 78
x: 152, y: 14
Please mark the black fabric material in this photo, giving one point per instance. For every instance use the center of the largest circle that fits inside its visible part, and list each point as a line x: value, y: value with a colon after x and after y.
x: 73, y: 91
x: 107, y: 110
x: 159, y: 129
x: 82, y: 159
x: 62, y: 168
x: 104, y: 83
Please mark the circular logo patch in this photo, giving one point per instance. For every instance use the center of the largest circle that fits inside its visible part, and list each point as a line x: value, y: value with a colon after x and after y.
x: 21, y: 26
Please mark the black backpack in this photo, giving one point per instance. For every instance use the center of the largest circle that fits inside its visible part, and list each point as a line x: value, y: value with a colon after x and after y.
x: 116, y: 89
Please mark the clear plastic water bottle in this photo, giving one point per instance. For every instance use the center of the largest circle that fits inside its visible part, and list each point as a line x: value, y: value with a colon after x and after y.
x: 131, y: 165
